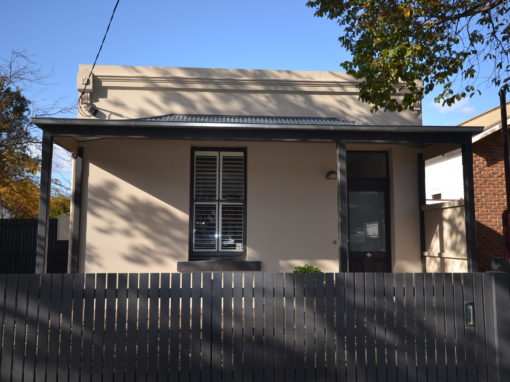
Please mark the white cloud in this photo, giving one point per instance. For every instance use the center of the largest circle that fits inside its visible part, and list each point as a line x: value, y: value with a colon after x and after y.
x: 461, y: 107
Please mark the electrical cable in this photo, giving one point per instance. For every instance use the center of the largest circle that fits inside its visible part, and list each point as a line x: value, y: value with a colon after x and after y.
x: 97, y: 56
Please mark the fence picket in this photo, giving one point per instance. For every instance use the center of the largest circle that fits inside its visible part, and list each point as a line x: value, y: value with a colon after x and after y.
x: 3, y: 288
x: 120, y: 327
x: 65, y: 328
x: 380, y: 332
x: 268, y: 327
x: 132, y: 321
x: 216, y: 324
x: 371, y: 326
x: 450, y: 327
x: 237, y: 338
x: 410, y: 326
x: 174, y: 326
x: 248, y: 325
x: 279, y: 327
x: 32, y: 321
x: 227, y: 327
x: 400, y: 327
x: 9, y: 309
x: 470, y: 333
x: 460, y: 340
x: 349, y: 334
x: 430, y: 328
x: 481, y: 361
x: 19, y: 339
x: 320, y: 335
x: 290, y: 329
x: 164, y: 328
x: 109, y: 335
x: 330, y: 326
x: 77, y: 324
x: 88, y: 327
x: 153, y: 351
x: 54, y: 327
x: 360, y: 329
x: 310, y: 350
x: 42, y: 328
x: 206, y: 325
x: 440, y: 327
x: 490, y: 332
x: 196, y: 341
x: 258, y: 327
x: 340, y: 322
x: 185, y: 327
x: 99, y: 330
x: 421, y: 370
x: 391, y: 341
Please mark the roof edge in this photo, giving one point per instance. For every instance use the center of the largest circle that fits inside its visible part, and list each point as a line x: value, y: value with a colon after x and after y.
x: 48, y: 122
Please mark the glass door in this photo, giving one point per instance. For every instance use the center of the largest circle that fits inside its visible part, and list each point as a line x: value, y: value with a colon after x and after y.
x: 369, y: 247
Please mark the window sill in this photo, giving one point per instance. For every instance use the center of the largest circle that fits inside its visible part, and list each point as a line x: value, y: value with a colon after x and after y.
x: 216, y: 265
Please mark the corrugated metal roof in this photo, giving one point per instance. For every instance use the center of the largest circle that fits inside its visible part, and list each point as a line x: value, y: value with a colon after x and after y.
x: 204, y: 118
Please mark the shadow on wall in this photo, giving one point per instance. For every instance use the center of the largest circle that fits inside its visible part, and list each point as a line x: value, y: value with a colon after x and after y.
x: 152, y: 100
x: 489, y: 243
x: 489, y: 149
x: 445, y: 231
x: 143, y: 227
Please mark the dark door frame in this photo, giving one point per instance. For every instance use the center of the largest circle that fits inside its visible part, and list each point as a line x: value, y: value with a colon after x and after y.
x: 375, y: 184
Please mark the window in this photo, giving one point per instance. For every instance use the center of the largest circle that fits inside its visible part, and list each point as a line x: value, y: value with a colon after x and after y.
x: 218, y: 203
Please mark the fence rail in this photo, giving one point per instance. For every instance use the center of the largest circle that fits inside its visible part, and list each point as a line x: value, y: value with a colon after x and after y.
x: 254, y: 327
x: 18, y: 247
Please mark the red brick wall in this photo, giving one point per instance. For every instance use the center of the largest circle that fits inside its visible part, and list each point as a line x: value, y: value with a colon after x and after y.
x: 490, y: 200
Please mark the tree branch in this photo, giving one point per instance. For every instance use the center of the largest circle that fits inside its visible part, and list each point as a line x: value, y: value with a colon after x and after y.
x: 468, y: 12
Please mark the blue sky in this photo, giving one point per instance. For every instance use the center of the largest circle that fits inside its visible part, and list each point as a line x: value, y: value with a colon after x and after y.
x: 263, y: 34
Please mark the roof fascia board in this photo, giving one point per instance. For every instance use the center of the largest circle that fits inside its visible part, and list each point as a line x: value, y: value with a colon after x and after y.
x: 246, y: 134
x: 489, y: 131
x: 44, y: 123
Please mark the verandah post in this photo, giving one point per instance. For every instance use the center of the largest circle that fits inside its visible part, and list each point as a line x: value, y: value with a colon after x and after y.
x: 74, y: 248
x: 469, y: 205
x: 41, y: 258
x: 343, y: 227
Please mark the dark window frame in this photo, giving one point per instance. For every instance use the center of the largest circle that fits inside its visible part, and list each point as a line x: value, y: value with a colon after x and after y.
x: 218, y: 254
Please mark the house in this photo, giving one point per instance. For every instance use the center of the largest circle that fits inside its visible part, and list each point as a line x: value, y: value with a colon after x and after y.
x: 186, y: 169
x: 445, y: 173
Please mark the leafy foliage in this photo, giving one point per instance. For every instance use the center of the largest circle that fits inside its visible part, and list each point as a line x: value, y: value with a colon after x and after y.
x: 418, y: 45
x: 19, y: 165
x: 307, y: 268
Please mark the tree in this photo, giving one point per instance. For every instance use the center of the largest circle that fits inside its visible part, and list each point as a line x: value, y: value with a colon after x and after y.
x: 19, y: 165
x: 421, y: 45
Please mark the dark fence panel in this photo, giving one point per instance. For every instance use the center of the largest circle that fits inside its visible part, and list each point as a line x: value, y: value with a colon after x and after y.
x: 18, y: 247
x: 247, y: 327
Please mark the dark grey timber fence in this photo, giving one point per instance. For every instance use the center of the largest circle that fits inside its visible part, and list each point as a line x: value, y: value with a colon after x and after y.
x: 254, y: 327
x: 18, y: 247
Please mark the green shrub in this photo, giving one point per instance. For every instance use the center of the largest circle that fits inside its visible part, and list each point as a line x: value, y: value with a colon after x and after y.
x: 307, y: 268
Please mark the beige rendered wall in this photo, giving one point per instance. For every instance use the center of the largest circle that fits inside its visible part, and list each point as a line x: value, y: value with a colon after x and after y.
x: 405, y: 217
x: 137, y: 205
x: 445, y: 237
x: 125, y: 92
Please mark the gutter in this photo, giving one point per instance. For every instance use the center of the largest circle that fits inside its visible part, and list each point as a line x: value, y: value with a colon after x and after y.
x: 123, y: 123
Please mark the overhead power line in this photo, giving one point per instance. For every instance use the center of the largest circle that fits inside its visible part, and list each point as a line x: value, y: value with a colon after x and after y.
x: 98, y: 52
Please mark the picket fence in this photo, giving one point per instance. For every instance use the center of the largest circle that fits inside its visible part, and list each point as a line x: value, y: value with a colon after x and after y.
x: 254, y: 327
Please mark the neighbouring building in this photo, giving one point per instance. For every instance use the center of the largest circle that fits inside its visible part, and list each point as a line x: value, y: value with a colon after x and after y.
x: 444, y: 181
